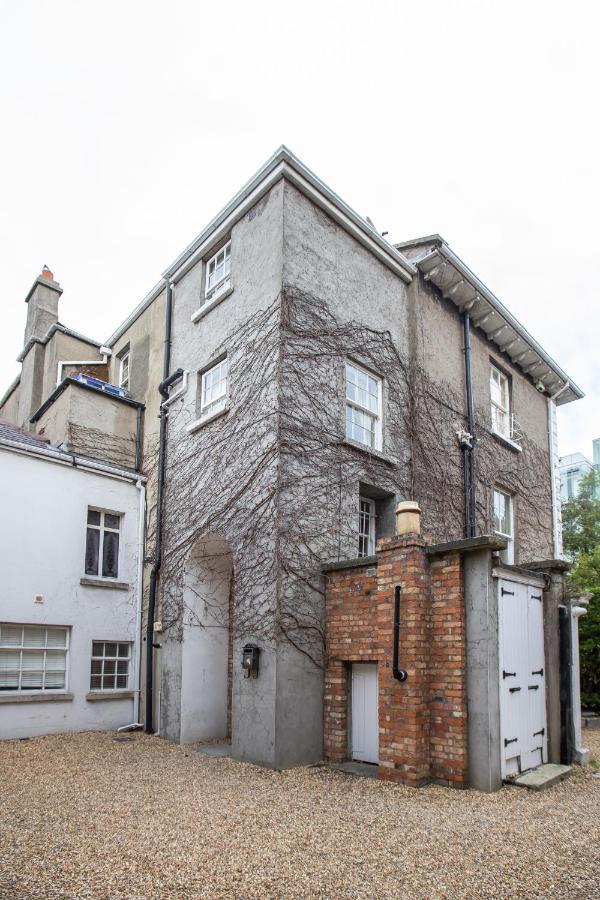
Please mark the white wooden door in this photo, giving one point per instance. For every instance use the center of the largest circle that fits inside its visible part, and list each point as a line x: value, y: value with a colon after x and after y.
x: 522, y: 683
x: 365, y: 715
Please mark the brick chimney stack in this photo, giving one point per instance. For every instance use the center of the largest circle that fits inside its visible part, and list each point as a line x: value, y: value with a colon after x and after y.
x: 42, y: 305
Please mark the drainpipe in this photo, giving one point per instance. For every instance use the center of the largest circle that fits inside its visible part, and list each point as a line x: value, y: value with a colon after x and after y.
x: 557, y: 549
x: 399, y: 674
x: 468, y: 444
x: 162, y: 458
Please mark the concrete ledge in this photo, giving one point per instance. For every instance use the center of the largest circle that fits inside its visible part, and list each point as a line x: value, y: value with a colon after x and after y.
x: 362, y: 448
x: 94, y: 696
x: 467, y: 545
x: 42, y: 697
x: 358, y: 563
x: 548, y: 565
x: 104, y: 583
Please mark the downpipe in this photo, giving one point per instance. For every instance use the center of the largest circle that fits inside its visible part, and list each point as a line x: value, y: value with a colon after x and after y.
x: 468, y: 446
x: 399, y: 674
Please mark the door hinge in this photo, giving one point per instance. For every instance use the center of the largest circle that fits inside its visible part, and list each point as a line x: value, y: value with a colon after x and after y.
x: 512, y: 741
x: 514, y: 690
x: 533, y: 687
x: 510, y: 593
x: 538, y: 672
x: 508, y: 674
x: 536, y: 597
x: 542, y: 732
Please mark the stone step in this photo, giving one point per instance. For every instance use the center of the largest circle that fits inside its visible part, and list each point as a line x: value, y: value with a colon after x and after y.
x: 543, y: 777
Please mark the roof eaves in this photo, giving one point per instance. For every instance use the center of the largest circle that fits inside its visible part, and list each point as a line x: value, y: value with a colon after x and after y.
x: 57, y: 326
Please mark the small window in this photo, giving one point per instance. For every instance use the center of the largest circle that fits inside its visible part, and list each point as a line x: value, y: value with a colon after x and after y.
x: 33, y: 658
x: 102, y: 544
x: 504, y: 523
x: 218, y: 269
x: 124, y: 361
x: 110, y: 666
x: 500, y: 397
x: 363, y: 406
x: 366, y: 527
x: 213, y: 390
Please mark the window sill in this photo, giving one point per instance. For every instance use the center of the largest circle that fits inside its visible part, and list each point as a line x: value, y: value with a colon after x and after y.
x: 200, y: 423
x: 369, y: 451
x: 41, y: 697
x: 206, y: 308
x: 507, y: 441
x: 90, y: 581
x: 94, y: 696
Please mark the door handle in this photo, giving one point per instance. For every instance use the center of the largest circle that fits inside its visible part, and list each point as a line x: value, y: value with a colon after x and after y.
x: 508, y: 674
x: 514, y: 690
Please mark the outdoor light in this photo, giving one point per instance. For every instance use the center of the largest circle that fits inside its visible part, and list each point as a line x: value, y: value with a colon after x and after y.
x: 250, y: 660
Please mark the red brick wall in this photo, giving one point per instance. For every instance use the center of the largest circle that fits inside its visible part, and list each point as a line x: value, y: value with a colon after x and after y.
x: 422, y: 721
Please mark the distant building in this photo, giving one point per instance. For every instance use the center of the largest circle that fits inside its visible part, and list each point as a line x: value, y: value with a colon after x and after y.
x: 574, y: 467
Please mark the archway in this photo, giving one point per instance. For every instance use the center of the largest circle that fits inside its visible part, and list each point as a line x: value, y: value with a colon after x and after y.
x: 206, y: 653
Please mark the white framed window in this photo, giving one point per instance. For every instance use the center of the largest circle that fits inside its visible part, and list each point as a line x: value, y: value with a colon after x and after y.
x: 33, y: 658
x: 218, y: 273
x: 363, y: 406
x: 504, y: 522
x: 102, y: 543
x: 110, y: 665
x: 500, y: 400
x: 366, y: 526
x: 124, y: 362
x: 213, y: 390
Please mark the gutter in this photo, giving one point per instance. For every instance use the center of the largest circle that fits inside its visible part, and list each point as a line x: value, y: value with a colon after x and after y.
x: 67, y: 459
x: 106, y: 352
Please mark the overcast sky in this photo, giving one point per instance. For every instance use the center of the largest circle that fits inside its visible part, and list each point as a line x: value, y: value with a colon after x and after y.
x: 128, y: 125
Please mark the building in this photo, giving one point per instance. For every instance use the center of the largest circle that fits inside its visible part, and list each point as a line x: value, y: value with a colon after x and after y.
x: 573, y: 468
x: 71, y: 603
x: 301, y: 377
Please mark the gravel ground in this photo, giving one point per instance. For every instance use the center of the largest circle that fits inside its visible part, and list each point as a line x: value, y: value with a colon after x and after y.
x: 82, y: 816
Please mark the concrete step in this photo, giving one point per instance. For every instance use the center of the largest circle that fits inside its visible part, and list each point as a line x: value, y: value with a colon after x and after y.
x: 543, y: 777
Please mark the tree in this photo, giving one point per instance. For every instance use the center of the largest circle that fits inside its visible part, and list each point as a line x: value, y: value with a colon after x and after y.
x: 581, y: 530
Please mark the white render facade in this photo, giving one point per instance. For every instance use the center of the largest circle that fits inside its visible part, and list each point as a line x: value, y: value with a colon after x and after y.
x: 69, y: 639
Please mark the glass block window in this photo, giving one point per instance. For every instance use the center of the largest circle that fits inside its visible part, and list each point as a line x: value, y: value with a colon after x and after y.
x: 500, y: 398
x: 218, y: 269
x: 110, y: 666
x: 366, y: 527
x: 503, y: 522
x: 214, y: 389
x: 33, y: 657
x: 363, y: 406
x: 102, y: 543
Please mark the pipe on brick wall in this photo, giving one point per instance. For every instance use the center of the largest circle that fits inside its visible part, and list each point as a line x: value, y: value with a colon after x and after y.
x: 399, y: 674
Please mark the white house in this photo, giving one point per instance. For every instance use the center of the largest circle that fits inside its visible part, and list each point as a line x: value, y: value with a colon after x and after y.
x: 71, y: 550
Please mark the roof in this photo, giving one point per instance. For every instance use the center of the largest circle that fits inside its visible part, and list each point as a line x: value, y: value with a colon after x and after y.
x: 58, y: 326
x: 12, y: 387
x: 9, y: 432
x: 86, y: 387
x: 443, y: 268
x: 283, y: 164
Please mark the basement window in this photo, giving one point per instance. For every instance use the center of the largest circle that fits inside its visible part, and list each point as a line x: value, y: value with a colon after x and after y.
x: 33, y: 658
x: 110, y: 666
x: 363, y: 406
x: 102, y: 543
x: 504, y: 523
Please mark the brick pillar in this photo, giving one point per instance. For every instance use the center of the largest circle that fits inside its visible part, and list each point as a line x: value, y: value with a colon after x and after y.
x: 403, y: 706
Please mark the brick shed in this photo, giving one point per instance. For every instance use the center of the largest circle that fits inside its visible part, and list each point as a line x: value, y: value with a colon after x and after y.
x: 436, y: 712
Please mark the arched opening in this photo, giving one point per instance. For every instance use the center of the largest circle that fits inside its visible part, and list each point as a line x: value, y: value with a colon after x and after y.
x: 206, y: 653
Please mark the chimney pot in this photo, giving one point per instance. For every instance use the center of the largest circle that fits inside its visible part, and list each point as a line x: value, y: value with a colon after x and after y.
x: 408, y: 518
x: 47, y: 274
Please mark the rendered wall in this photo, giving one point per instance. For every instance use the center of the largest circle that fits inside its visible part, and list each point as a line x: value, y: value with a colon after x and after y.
x: 43, y: 518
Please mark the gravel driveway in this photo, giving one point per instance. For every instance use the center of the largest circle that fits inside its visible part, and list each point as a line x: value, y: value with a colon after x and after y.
x: 83, y: 816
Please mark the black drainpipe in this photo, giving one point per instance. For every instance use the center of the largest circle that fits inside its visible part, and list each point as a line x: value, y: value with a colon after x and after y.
x: 468, y: 446
x: 399, y: 674
x: 162, y: 458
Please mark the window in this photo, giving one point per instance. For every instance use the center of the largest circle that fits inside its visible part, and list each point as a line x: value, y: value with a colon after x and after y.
x: 366, y: 527
x: 110, y: 666
x: 218, y: 270
x: 500, y: 397
x: 214, y: 390
x: 503, y: 522
x: 572, y: 483
x: 33, y: 657
x: 102, y: 544
x: 363, y: 407
x: 124, y: 370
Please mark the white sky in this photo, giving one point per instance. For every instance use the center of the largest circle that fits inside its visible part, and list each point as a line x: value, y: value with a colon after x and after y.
x: 127, y: 125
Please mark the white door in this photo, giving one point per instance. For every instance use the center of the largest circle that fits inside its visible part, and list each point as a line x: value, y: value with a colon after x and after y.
x: 522, y: 682
x: 365, y: 717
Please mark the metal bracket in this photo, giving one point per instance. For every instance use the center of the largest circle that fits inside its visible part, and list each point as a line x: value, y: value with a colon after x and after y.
x: 538, y: 672
x: 512, y: 741
x: 533, y: 687
x: 508, y: 674
x: 510, y: 593
x: 542, y: 732
x: 514, y: 690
